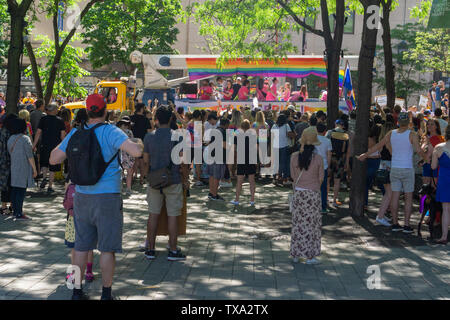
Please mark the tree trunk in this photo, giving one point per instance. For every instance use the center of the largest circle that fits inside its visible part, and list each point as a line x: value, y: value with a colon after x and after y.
x: 52, y: 77
x: 34, y: 68
x: 17, y: 14
x: 360, y: 141
x: 14, y: 55
x: 333, y: 87
x: 388, y: 63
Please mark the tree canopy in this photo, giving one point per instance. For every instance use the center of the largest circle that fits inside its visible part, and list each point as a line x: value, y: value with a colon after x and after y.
x: 68, y: 69
x: 114, y: 29
x: 4, y: 24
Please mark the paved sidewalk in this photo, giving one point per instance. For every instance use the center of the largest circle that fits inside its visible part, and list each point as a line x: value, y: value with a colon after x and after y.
x: 233, y: 253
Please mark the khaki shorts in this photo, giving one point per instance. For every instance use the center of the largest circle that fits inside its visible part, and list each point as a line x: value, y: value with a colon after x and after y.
x: 402, y: 179
x: 174, y: 200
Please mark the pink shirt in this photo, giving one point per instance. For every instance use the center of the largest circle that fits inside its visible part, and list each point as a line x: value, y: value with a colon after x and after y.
x: 206, y: 93
x: 311, y: 178
x: 286, y: 95
x: 228, y: 91
x: 243, y: 93
x: 272, y: 94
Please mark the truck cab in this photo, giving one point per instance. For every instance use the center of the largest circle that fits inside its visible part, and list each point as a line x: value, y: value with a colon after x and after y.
x: 119, y: 95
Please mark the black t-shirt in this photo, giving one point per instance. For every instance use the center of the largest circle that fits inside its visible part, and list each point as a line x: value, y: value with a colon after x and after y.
x: 141, y: 125
x: 224, y: 137
x: 236, y: 88
x: 51, y: 127
x: 247, y: 147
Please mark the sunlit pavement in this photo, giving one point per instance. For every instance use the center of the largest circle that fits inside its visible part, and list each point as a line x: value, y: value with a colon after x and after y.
x: 233, y: 253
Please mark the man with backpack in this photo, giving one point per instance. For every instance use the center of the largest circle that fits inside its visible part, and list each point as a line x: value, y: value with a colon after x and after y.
x: 339, y: 157
x: 164, y: 183
x: 92, y: 152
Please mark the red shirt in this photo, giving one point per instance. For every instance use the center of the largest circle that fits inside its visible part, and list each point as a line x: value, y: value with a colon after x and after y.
x: 243, y: 93
x: 228, y: 91
x: 435, y: 140
x: 206, y: 93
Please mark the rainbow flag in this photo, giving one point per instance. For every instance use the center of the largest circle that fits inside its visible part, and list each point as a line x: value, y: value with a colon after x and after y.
x: 199, y: 68
x: 349, y: 94
x: 341, y: 77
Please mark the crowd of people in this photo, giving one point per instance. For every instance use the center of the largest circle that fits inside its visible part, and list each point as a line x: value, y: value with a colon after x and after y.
x: 312, y: 160
x: 240, y: 88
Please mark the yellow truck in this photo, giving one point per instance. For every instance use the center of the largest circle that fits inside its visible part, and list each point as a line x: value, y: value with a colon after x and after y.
x: 119, y: 95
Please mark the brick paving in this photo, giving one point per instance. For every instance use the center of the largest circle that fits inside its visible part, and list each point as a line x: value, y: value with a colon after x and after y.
x: 233, y: 253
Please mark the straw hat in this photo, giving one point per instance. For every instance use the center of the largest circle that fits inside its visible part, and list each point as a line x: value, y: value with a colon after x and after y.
x: 309, y: 137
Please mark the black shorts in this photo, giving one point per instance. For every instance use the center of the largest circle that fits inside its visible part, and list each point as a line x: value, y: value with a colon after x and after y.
x: 45, y: 159
x: 245, y: 169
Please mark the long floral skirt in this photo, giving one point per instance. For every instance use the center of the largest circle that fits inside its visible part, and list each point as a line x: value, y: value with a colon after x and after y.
x: 306, y: 224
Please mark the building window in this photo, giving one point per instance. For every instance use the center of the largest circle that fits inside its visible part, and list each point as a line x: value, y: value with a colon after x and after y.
x: 349, y: 27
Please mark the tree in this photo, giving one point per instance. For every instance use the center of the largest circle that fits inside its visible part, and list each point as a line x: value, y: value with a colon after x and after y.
x: 114, y: 29
x: 259, y: 29
x: 3, y: 30
x: 17, y: 13
x: 54, y: 9
x: 431, y: 51
x: 365, y: 67
x: 405, y: 37
x: 389, y: 71
x: 68, y: 70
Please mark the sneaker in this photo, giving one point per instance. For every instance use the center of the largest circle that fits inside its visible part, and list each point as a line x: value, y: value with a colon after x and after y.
x: 50, y: 190
x: 295, y: 260
x: 236, y: 203
x: 175, y: 256
x: 312, y: 261
x: 22, y: 218
x: 408, y: 229
x: 211, y: 197
x: 383, y: 222
x: 226, y: 184
x: 82, y: 296
x: 252, y: 203
x: 89, y: 276
x: 43, y: 184
x: 219, y: 198
x: 396, y: 227
x: 388, y: 219
x: 337, y: 203
x: 199, y: 184
x: 128, y: 192
x: 324, y: 211
x: 150, y: 254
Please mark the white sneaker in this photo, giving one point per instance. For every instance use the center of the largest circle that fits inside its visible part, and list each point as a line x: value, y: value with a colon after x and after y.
x: 312, y: 261
x: 236, y: 203
x: 225, y: 184
x: 383, y: 222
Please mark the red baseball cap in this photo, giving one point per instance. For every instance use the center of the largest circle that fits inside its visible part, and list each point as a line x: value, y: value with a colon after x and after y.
x: 95, y: 102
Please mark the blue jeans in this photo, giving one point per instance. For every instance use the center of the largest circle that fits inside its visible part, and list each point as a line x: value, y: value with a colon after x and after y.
x: 285, y: 165
x: 372, y: 168
x: 17, y: 197
x: 323, y: 190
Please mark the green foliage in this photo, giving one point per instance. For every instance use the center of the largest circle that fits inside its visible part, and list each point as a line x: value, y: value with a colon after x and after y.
x: 422, y: 11
x: 431, y: 50
x: 68, y: 71
x: 114, y: 29
x: 4, y: 23
x: 405, y: 37
x: 252, y: 29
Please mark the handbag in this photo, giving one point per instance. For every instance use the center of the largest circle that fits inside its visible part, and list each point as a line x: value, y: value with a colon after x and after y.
x: 382, y: 176
x: 291, y: 195
x: 162, y: 178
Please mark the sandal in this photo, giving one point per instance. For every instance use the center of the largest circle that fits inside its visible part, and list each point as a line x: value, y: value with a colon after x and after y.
x: 440, y: 241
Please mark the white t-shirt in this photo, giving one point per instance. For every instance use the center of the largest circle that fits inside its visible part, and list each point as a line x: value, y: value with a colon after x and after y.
x: 283, y: 139
x: 323, y: 148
